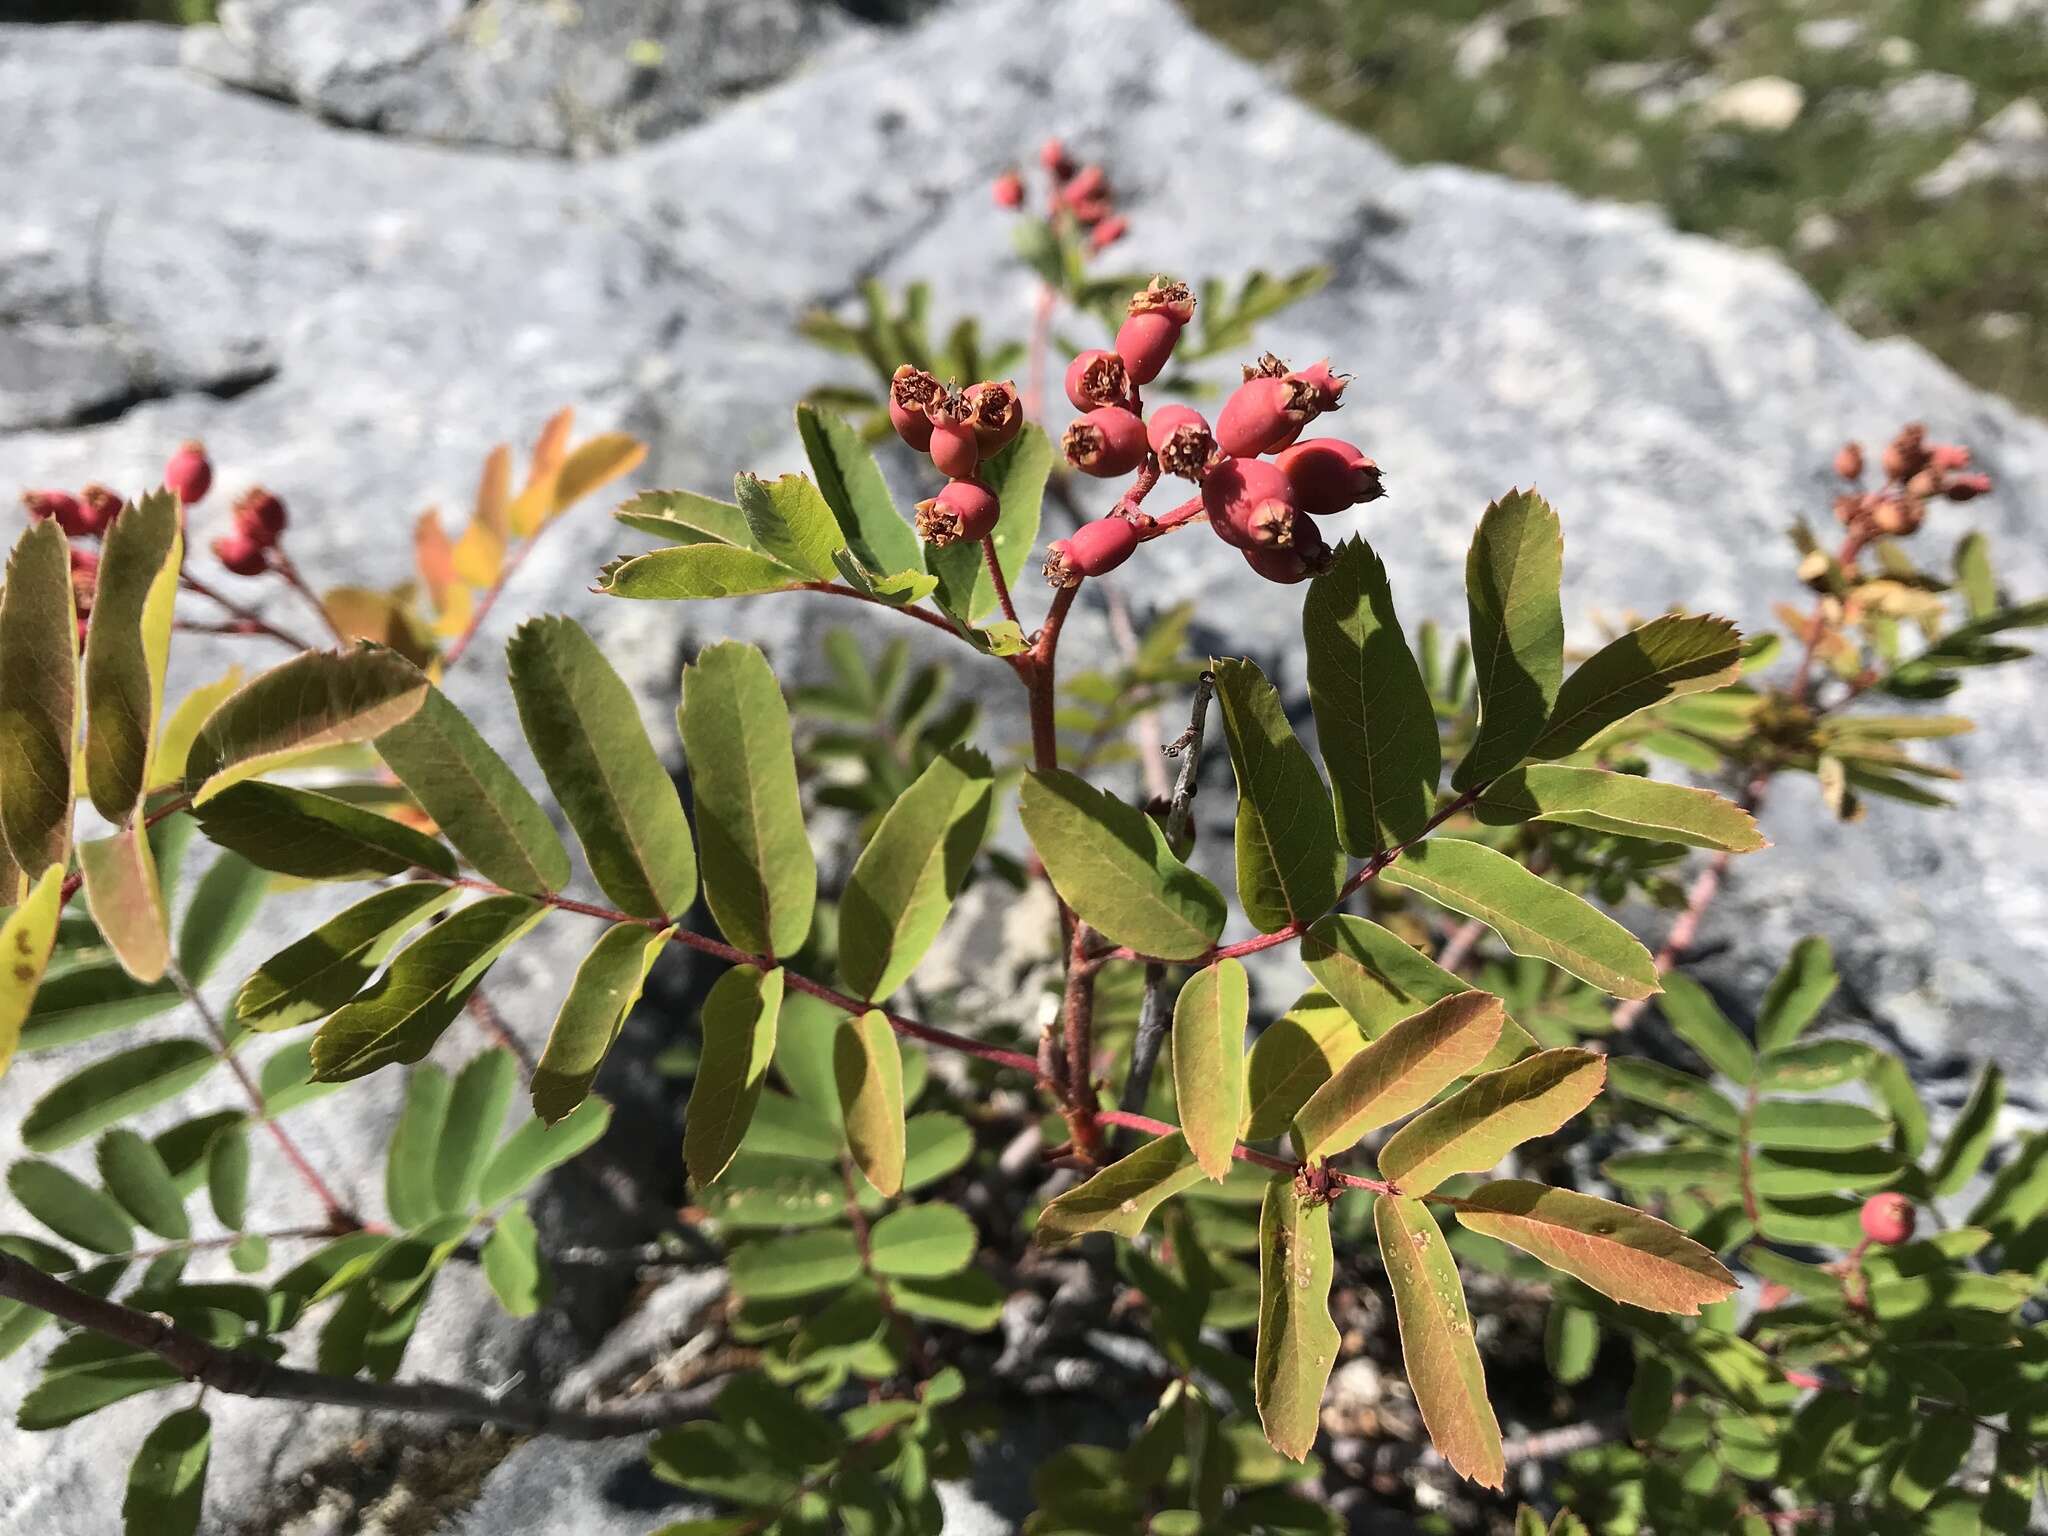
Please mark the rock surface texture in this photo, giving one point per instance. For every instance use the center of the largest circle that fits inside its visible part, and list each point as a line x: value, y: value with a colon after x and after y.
x: 354, y: 317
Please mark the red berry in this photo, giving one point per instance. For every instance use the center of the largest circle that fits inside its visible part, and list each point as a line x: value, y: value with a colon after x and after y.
x: 1145, y: 341
x: 1108, y: 441
x: 912, y: 393
x: 1948, y: 456
x: 189, y: 475
x: 1052, y: 154
x: 1285, y: 566
x: 1097, y: 378
x: 101, y: 506
x: 954, y: 448
x: 1108, y: 232
x: 1009, y: 190
x: 259, y: 515
x: 1260, y: 413
x: 1093, y: 549
x: 1849, y: 461
x: 998, y: 414
x: 963, y: 510
x: 1089, y: 184
x: 62, y: 505
x: 1180, y: 435
x: 1967, y: 487
x: 242, y: 553
x: 1249, y: 502
x: 1888, y: 1219
x: 1328, y: 386
x: 1329, y: 475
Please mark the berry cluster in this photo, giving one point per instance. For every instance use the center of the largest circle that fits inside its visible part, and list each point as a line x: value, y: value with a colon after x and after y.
x: 1916, y: 472
x: 959, y: 428
x: 259, y: 519
x: 1082, y: 193
x: 81, y: 516
x: 1263, y: 506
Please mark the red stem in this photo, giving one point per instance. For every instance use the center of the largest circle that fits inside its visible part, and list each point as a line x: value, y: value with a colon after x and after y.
x: 248, y: 619
x: 995, y: 573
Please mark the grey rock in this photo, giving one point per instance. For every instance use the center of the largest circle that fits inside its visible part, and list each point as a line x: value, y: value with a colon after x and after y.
x: 2010, y: 146
x: 2009, y: 13
x: 417, y: 302
x: 1831, y: 34
x: 1929, y: 102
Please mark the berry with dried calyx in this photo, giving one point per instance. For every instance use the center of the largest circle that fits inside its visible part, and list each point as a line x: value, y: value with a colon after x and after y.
x: 260, y: 515
x: 1250, y: 502
x: 1849, y: 461
x: 101, y: 506
x: 1152, y: 327
x: 1108, y: 231
x: 963, y: 510
x: 1967, y: 487
x: 1328, y: 386
x: 1093, y: 549
x: 1090, y: 184
x: 1329, y: 475
x: 62, y: 505
x: 1180, y: 436
x: 998, y: 414
x: 1108, y: 441
x: 954, y: 447
x: 912, y: 394
x: 242, y: 554
x: 1097, y: 377
x: 1905, y: 455
x: 189, y: 475
x: 1052, y: 154
x: 1009, y: 190
x: 1263, y: 413
x: 1285, y: 566
x: 1888, y: 1219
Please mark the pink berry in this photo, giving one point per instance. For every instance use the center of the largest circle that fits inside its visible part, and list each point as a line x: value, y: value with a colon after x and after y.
x: 1093, y: 549
x: 1249, y: 502
x: 1106, y: 442
x: 912, y: 393
x: 260, y: 516
x: 62, y: 505
x: 1260, y: 413
x: 1052, y: 154
x: 963, y: 510
x: 1145, y: 341
x: 1180, y: 435
x: 1009, y: 190
x: 1947, y: 456
x: 101, y: 506
x: 1097, y: 378
x: 998, y: 415
x: 1108, y: 231
x: 1849, y: 461
x: 1967, y: 487
x: 1888, y: 1219
x: 1285, y: 566
x: 1329, y: 475
x: 1089, y: 184
x: 241, y: 553
x: 189, y: 475
x: 1328, y: 386
x: 954, y: 447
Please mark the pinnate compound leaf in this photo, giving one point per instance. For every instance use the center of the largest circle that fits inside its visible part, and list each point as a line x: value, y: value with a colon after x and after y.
x: 512, y: 1263
x: 469, y: 1129
x: 1513, y: 574
x: 1437, y: 1347
x: 318, y: 699
x: 26, y: 939
x: 312, y: 977
x: 852, y: 486
x: 1297, y: 1344
x: 1472, y: 1130
x: 38, y: 699
x: 1288, y: 864
x: 869, y: 1070
x: 1619, y: 1252
x: 1399, y: 1072
x: 475, y: 798
x: 1209, y: 1019
x: 1380, y: 979
x: 535, y: 1148
x: 1797, y: 994
x: 126, y: 900
x: 134, y: 1174
x: 585, y: 731
x: 1374, y: 721
x: 1620, y: 804
x: 114, y: 1088
x: 1111, y: 864
x: 694, y: 571
x: 127, y: 649
x: 167, y: 1482
x: 1698, y: 1020
x: 606, y: 987
x: 912, y: 868
x: 1673, y: 654
x: 1120, y: 1197
x: 418, y: 996
x: 300, y: 832
x: 739, y: 1042
x: 1533, y: 917
x: 760, y: 876
x: 791, y: 521
x: 1018, y: 476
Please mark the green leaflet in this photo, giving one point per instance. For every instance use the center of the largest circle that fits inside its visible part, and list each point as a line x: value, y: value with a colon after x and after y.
x: 794, y: 1265
x: 684, y: 517
x: 1110, y: 862
x: 127, y: 649
x: 585, y: 731
x: 313, y: 976
x: 1623, y: 804
x: 1399, y: 1072
x: 1380, y: 979
x: 71, y: 1208
x: 1970, y: 1138
x: 1698, y: 1020
x: 316, y: 700
x: 475, y: 798
x: 1512, y: 578
x: 1120, y: 1197
x: 1374, y: 721
x: 534, y: 1148
x: 868, y: 1069
x: 292, y: 831
x: 1289, y: 867
x: 513, y: 1265
x: 1532, y: 916
x: 1619, y: 1252
x: 112, y: 1089
x: 25, y: 942
x: 134, y: 1174
x: 1820, y: 1125
x: 227, y: 1175
x: 1674, y: 654
x: 1293, y: 1057
x: 469, y: 1128
x: 1437, y: 1348
x: 691, y: 571
x: 1209, y: 1019
x: 1676, y: 1093
x: 418, y: 996
x: 606, y: 987
x: 1797, y: 994
x: 851, y: 484
x: 126, y: 900
x: 760, y: 876
x: 1297, y: 1343
x: 1473, y: 1129
x: 167, y: 1483
x: 739, y: 1041
x: 1018, y: 476
x: 38, y: 699
x: 906, y: 878
x: 790, y: 521
x: 922, y: 1242
x: 222, y: 907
